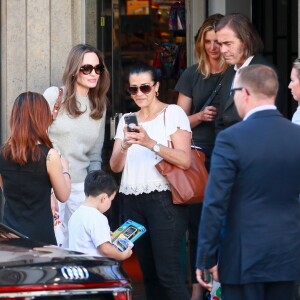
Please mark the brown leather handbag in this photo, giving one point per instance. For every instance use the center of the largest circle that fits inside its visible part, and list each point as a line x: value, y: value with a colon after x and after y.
x: 187, y: 186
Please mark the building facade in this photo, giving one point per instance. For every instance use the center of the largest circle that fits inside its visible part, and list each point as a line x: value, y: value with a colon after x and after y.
x: 36, y: 36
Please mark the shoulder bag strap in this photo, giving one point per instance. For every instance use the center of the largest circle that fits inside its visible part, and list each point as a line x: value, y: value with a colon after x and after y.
x: 170, y: 144
x: 210, y: 98
x: 57, y: 104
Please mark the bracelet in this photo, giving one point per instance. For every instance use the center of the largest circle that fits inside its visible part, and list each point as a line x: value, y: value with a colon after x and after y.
x: 123, y: 148
x: 67, y: 173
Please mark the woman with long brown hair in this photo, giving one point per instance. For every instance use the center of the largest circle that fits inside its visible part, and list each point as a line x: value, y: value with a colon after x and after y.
x: 78, y: 131
x: 29, y: 168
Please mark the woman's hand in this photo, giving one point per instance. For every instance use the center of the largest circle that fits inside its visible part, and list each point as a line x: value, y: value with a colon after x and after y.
x: 140, y: 138
x: 126, y: 144
x: 54, y: 204
x: 208, y: 114
x: 59, y: 177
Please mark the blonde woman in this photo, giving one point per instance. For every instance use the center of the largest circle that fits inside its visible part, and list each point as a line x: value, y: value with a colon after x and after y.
x: 195, y: 86
x: 294, y: 86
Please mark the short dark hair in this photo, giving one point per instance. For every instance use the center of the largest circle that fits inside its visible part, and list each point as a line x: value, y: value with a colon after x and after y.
x: 244, y: 31
x: 141, y: 67
x: 98, y: 182
x: 260, y: 78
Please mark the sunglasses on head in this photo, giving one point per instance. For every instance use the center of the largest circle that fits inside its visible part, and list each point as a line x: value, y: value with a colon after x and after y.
x: 87, y: 69
x: 144, y: 88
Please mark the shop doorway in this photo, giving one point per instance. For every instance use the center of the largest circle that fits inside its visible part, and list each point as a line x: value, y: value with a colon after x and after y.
x: 277, y: 23
x: 129, y: 31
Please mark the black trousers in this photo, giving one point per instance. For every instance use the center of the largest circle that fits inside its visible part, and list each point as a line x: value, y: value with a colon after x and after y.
x: 158, y: 250
x: 259, y: 291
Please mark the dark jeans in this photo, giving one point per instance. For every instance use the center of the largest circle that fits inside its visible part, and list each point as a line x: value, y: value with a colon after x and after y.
x: 158, y: 250
x: 193, y: 227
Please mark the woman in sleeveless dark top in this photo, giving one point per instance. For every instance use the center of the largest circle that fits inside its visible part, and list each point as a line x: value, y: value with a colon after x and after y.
x: 29, y: 168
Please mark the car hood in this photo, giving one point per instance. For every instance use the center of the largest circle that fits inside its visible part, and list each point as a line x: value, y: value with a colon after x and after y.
x: 26, y: 262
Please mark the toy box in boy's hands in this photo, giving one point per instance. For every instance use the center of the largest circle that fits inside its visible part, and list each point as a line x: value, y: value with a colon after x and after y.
x: 126, y: 234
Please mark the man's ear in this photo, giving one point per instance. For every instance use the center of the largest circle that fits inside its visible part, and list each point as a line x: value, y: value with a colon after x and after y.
x: 246, y: 96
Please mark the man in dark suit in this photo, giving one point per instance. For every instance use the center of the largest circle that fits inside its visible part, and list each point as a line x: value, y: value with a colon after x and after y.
x: 250, y: 224
x: 240, y: 45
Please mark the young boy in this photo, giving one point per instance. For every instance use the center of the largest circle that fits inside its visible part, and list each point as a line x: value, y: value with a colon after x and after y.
x: 89, y: 231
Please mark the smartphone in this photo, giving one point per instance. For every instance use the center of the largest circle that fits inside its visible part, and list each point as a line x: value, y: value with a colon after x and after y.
x: 130, y: 231
x: 207, y: 277
x: 131, y: 121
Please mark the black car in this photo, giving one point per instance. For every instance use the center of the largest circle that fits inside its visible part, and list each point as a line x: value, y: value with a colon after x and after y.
x: 33, y: 270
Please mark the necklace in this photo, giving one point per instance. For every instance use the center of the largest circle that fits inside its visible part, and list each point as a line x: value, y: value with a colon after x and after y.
x: 151, y: 115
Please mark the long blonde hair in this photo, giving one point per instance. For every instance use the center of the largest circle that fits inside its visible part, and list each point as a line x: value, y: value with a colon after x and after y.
x: 204, y: 66
x: 296, y: 65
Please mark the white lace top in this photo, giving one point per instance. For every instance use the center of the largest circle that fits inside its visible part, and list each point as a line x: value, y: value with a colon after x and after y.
x: 139, y: 174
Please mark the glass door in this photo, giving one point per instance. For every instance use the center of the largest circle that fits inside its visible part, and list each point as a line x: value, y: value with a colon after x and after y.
x: 133, y: 30
x: 150, y: 31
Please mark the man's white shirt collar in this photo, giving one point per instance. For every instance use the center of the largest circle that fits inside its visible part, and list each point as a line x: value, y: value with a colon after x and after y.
x: 245, y: 64
x: 259, y: 108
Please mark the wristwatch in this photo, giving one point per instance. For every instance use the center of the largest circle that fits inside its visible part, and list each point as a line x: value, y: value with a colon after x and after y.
x: 156, y: 148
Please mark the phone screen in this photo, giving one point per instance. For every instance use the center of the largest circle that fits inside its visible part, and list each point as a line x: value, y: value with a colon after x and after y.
x: 130, y: 231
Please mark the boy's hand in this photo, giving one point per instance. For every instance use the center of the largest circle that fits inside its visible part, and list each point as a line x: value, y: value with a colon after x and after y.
x: 127, y: 253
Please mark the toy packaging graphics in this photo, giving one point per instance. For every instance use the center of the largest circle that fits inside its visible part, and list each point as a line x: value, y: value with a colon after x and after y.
x: 127, y: 234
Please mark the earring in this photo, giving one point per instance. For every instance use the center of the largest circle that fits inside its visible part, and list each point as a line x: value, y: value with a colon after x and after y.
x: 156, y: 93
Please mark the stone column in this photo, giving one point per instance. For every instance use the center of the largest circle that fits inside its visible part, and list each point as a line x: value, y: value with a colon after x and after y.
x: 195, y: 13
x: 36, y: 36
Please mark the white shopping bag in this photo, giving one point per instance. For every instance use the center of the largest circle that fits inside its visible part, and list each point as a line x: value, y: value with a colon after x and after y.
x: 58, y: 229
x: 215, y: 293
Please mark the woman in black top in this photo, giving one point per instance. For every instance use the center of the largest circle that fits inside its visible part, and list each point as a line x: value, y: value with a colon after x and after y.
x: 29, y: 168
x: 195, y: 86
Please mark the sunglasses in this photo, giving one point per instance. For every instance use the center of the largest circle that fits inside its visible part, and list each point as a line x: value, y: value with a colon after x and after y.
x: 232, y: 91
x: 144, y: 88
x: 88, y: 69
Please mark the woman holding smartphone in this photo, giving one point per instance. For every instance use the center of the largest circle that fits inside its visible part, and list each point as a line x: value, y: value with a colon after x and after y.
x: 146, y: 193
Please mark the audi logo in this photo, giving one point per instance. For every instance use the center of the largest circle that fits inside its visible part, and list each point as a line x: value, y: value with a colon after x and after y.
x: 75, y: 272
